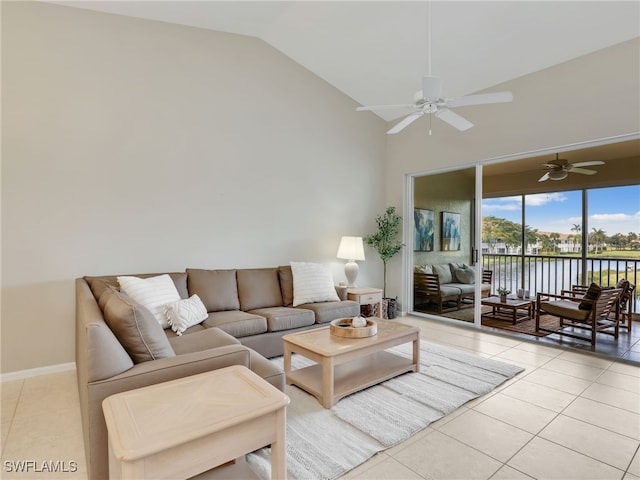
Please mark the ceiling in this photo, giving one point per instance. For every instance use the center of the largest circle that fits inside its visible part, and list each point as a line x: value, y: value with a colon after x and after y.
x: 377, y: 52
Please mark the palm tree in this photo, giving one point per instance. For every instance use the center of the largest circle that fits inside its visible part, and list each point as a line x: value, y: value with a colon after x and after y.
x: 597, y: 237
x: 577, y: 238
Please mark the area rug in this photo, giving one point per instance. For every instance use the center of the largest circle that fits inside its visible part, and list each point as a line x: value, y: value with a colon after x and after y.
x: 324, y: 444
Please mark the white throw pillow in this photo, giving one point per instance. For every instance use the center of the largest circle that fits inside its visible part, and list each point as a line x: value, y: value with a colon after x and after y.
x: 185, y: 313
x: 152, y: 293
x: 312, y: 282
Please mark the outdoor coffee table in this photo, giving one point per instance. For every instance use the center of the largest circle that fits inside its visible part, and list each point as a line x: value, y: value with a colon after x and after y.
x: 514, y: 309
x: 348, y: 365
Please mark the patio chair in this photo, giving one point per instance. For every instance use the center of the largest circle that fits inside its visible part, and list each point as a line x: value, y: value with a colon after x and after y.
x: 625, y: 304
x: 589, y: 310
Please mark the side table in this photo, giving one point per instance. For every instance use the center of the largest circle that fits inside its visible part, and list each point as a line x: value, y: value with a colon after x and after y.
x: 366, y: 296
x: 178, y: 429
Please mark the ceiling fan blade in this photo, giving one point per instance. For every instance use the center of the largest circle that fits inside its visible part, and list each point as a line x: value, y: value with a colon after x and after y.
x: 587, y: 164
x: 480, y: 99
x: 406, y: 121
x: 544, y: 177
x: 454, y: 119
x: 431, y: 87
x: 383, y: 107
x: 583, y: 171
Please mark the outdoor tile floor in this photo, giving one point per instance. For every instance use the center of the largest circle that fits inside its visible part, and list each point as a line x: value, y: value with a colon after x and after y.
x: 569, y: 415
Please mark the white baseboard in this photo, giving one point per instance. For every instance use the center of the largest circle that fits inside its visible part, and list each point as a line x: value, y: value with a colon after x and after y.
x: 34, y: 372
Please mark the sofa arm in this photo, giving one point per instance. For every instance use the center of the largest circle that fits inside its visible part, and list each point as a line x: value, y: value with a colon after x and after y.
x: 142, y: 375
x: 171, y: 368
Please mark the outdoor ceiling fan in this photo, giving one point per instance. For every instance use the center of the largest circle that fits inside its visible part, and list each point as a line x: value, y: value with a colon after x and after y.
x: 559, y: 168
x: 430, y: 100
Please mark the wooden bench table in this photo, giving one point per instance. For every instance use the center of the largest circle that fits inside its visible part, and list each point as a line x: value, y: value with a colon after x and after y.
x: 181, y: 428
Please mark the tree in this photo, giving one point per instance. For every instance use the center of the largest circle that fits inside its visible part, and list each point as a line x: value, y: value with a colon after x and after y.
x: 496, y: 230
x: 384, y: 241
x: 554, y: 237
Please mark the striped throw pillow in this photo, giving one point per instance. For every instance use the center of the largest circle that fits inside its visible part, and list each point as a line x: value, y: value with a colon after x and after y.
x: 152, y: 293
x: 312, y: 282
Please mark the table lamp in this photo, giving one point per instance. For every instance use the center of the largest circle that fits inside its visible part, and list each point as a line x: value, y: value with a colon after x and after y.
x: 351, y: 249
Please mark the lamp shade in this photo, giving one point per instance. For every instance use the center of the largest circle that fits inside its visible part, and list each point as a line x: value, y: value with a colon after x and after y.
x: 351, y: 248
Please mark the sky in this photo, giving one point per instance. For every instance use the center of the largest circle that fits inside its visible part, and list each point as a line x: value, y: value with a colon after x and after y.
x: 614, y: 210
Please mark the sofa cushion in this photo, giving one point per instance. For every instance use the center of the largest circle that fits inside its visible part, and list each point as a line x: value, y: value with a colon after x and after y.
x: 327, y: 311
x: 258, y: 288
x: 443, y: 272
x: 193, y: 329
x: 592, y: 293
x: 237, y: 323
x: 153, y: 293
x: 185, y: 313
x: 136, y: 329
x: 286, y: 284
x: 285, y: 318
x: 312, y: 282
x: 204, y: 339
x: 218, y: 289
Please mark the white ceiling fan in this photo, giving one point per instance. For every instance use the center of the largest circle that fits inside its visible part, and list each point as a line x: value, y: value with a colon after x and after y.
x: 559, y: 168
x: 430, y: 100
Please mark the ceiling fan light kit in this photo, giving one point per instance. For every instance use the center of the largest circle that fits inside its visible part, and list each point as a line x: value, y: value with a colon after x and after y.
x: 560, y: 168
x: 558, y: 175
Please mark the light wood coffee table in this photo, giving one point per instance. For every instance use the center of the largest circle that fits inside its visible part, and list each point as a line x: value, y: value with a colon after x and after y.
x: 347, y: 365
x: 181, y: 428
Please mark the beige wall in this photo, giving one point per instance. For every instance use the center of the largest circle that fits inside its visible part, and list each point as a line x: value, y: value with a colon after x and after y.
x: 592, y: 97
x: 138, y: 146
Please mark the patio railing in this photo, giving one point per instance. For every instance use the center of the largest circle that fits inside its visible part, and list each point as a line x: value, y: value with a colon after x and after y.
x: 553, y: 273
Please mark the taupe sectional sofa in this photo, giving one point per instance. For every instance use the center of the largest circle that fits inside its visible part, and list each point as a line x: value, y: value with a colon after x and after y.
x: 248, y: 312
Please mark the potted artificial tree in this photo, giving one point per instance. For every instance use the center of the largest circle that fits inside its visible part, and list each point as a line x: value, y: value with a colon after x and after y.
x: 385, y: 242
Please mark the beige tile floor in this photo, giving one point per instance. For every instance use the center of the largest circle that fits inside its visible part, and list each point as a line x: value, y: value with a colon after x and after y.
x: 567, y: 416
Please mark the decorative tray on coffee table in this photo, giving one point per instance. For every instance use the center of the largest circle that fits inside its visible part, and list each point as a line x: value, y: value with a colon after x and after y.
x: 341, y: 327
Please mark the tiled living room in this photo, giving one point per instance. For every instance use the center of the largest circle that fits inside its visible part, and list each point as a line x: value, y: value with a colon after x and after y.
x: 132, y: 143
x: 568, y: 415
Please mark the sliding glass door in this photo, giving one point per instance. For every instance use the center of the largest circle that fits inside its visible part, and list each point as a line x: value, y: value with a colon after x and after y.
x: 444, y: 255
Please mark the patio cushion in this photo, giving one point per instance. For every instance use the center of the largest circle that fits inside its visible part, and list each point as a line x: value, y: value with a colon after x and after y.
x: 464, y: 288
x: 448, y: 290
x: 444, y: 273
x: 564, y: 308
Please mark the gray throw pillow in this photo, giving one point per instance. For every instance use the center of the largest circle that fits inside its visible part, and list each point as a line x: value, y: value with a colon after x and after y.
x: 136, y: 329
x: 465, y: 275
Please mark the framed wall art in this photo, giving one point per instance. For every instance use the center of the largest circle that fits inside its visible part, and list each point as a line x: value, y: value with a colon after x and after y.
x: 423, y: 236
x: 450, y: 231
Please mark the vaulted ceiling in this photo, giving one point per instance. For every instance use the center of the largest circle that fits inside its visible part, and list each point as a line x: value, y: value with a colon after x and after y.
x: 377, y: 52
